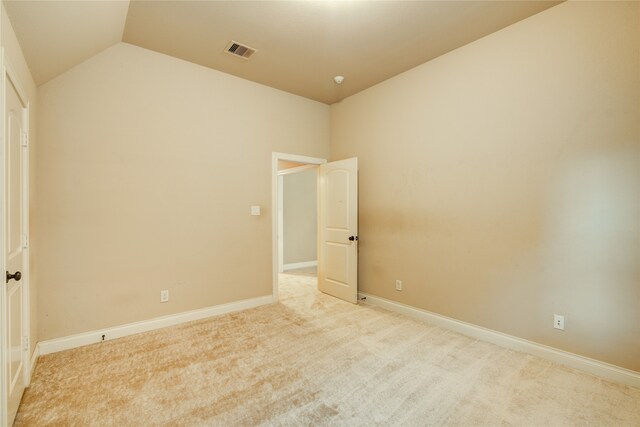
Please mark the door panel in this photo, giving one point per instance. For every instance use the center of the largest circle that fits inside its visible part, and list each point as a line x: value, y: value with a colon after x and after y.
x: 338, y: 217
x: 14, y: 181
x: 337, y: 265
x: 337, y: 196
x: 15, y: 355
x: 14, y: 297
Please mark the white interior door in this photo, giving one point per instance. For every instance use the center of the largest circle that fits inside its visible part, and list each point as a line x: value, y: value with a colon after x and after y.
x: 15, y: 244
x: 338, y: 220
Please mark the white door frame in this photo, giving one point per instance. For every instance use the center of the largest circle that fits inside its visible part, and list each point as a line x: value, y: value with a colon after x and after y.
x: 8, y: 74
x: 276, y: 224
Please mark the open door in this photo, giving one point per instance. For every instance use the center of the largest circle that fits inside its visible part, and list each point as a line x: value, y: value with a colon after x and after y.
x: 338, y: 235
x: 13, y: 329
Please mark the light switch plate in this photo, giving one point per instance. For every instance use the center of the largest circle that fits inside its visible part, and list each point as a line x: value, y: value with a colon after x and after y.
x: 255, y: 210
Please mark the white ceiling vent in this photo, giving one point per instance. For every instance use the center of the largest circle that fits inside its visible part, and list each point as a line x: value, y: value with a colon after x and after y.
x: 239, y: 49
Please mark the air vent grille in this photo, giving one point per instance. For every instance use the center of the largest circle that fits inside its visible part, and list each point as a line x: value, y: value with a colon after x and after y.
x: 239, y: 49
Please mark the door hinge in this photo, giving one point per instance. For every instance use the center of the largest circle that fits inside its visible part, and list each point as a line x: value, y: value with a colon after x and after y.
x: 25, y: 343
x: 25, y: 139
x: 25, y: 241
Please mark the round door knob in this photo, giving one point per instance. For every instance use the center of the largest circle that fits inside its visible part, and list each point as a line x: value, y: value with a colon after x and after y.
x: 15, y: 276
x: 352, y: 238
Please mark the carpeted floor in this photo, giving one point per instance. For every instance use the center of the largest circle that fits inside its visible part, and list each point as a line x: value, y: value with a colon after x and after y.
x: 315, y: 360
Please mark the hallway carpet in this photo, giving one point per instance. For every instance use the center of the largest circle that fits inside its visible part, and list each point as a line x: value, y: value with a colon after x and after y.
x: 314, y: 360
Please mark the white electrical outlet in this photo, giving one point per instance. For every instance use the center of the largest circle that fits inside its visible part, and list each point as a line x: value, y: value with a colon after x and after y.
x: 558, y: 321
x: 398, y: 285
x: 164, y: 296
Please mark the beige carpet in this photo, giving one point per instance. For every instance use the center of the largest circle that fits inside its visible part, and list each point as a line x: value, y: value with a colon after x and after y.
x: 315, y: 360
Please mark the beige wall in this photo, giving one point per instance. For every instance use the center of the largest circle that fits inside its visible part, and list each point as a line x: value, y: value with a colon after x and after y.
x: 501, y: 181
x: 147, y: 168
x: 15, y: 60
x: 300, y: 216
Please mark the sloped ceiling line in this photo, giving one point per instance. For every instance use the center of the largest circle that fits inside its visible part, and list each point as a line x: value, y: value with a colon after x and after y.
x: 302, y: 45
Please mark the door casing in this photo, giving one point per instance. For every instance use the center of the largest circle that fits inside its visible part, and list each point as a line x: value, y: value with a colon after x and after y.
x: 275, y: 197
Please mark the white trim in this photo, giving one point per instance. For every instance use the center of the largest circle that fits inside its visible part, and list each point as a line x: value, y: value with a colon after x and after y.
x: 34, y: 359
x: 297, y: 169
x: 22, y: 94
x: 296, y: 158
x: 592, y: 366
x: 275, y: 194
x: 295, y: 265
x: 92, y: 337
x: 3, y: 288
x: 26, y: 246
x: 280, y: 223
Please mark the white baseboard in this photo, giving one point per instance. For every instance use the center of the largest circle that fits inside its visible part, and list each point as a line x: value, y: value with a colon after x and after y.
x: 295, y: 265
x: 92, y: 337
x: 592, y: 366
x: 33, y: 361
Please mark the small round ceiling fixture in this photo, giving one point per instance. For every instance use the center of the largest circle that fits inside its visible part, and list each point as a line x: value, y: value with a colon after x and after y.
x: 338, y: 79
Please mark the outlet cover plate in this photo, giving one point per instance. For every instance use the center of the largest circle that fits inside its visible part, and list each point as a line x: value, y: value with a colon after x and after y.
x: 558, y: 321
x: 164, y: 296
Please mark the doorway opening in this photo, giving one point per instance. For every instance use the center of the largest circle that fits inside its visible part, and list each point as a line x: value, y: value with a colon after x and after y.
x: 295, y: 219
x: 298, y: 226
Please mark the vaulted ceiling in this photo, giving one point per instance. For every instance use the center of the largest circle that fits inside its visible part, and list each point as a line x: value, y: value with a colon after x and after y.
x: 301, y: 45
